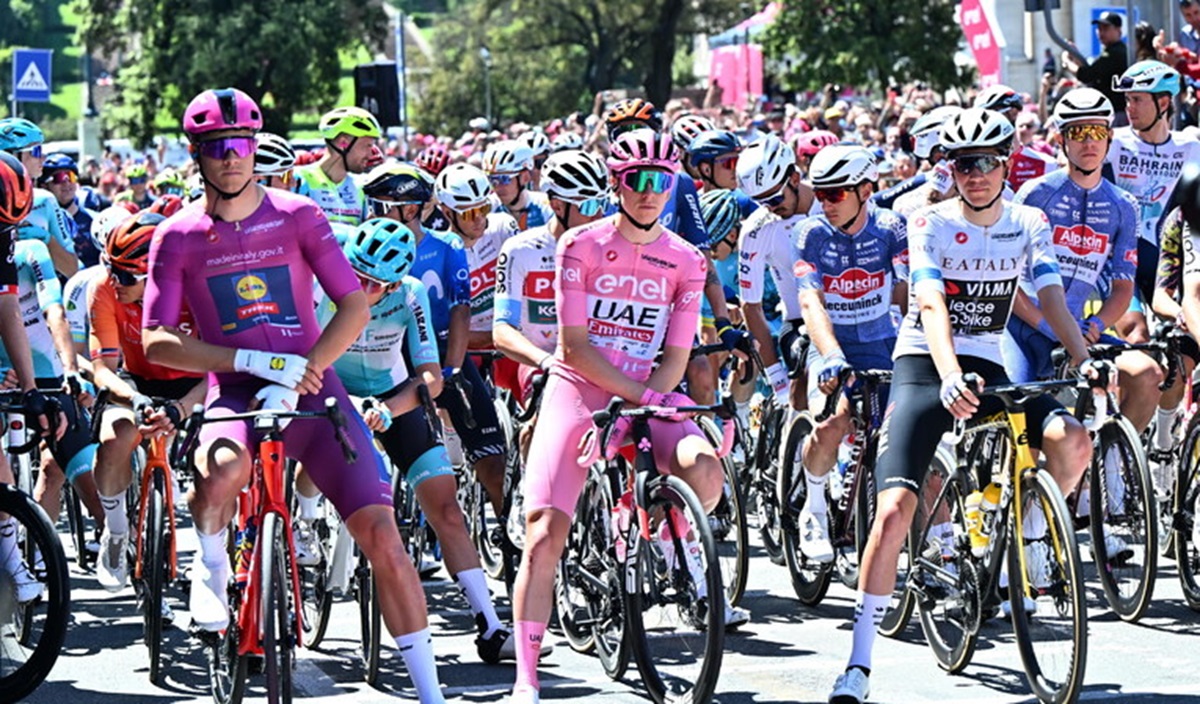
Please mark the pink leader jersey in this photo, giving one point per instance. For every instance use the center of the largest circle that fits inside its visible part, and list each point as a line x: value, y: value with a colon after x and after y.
x: 248, y: 284
x: 634, y: 299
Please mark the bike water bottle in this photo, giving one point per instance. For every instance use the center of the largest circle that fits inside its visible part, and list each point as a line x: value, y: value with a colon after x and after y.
x: 845, y: 458
x: 988, y: 505
x: 972, y: 515
x: 244, y: 552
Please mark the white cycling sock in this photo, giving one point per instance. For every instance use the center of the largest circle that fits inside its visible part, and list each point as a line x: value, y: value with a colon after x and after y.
x: 10, y: 550
x: 212, y: 548
x: 815, y: 501
x: 1163, y: 438
x: 417, y: 651
x: 869, y: 610
x: 309, y: 506
x: 474, y: 587
x: 115, y: 518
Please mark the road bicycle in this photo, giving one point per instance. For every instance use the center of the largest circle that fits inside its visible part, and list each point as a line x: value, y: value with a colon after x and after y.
x: 265, y: 592
x: 1030, y: 541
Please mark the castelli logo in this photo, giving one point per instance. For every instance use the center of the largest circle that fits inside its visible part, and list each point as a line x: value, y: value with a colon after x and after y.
x: 1081, y: 240
x: 611, y: 255
x: 854, y: 283
x: 961, y: 238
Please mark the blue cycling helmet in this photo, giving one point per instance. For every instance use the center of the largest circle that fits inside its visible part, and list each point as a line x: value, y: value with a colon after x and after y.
x: 59, y: 162
x: 17, y: 133
x: 721, y: 212
x: 1148, y: 77
x: 709, y: 146
x: 382, y: 249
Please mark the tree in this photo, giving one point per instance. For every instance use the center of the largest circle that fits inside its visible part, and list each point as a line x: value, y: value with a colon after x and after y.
x: 552, y: 56
x: 283, y: 53
x: 865, y: 43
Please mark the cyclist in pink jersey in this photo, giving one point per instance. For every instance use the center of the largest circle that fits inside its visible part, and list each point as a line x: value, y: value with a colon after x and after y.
x: 627, y: 290
x: 243, y: 259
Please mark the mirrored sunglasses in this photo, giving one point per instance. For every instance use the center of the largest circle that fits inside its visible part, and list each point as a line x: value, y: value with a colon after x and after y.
x: 1082, y: 133
x: 35, y: 151
x: 832, y: 195
x: 137, y: 180
x: 591, y: 207
x: 727, y: 162
x: 501, y: 179
x: 648, y: 181
x: 370, y: 284
x: 773, y: 201
x: 241, y: 147
x: 983, y: 163
x: 61, y: 177
x: 125, y: 278
x: 473, y: 214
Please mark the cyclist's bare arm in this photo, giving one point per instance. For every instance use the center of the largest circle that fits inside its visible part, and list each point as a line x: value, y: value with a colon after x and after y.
x: 408, y: 399
x: 516, y: 346
x: 817, y: 322
x: 579, y: 353
x: 756, y: 322
x: 456, y: 344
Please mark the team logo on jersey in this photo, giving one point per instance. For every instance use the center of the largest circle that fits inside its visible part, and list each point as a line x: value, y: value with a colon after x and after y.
x: 251, y: 288
x: 213, y: 237
x: 803, y: 268
x: 1081, y: 239
x: 961, y: 237
x: 610, y: 255
x: 1131, y: 256
x: 540, y: 285
x: 853, y: 283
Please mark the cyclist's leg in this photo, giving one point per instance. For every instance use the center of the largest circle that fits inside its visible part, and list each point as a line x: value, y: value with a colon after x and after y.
x: 48, y: 490
x: 1138, y: 376
x: 701, y: 383
x: 1064, y: 441
x: 119, y: 437
x: 484, y: 444
x: 361, y: 490
x: 1170, y: 400
x: 683, y: 449
x: 76, y: 454
x: 1132, y: 325
x: 793, y: 351
x: 553, y: 481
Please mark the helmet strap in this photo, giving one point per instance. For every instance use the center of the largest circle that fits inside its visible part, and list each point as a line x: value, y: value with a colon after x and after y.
x: 845, y: 227
x: 981, y: 208
x: 224, y: 195
x: 645, y: 227
x: 343, y: 153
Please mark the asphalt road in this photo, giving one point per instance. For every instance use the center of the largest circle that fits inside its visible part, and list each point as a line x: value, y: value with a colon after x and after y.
x: 788, y: 653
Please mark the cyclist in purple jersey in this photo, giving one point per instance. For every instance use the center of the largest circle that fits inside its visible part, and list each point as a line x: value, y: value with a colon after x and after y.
x: 853, y: 266
x: 1094, y: 228
x: 243, y: 259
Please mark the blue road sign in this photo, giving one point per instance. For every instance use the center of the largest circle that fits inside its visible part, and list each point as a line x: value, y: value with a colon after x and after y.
x: 31, y: 75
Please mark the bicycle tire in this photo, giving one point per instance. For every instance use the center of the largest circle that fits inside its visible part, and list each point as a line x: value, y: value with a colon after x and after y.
x: 316, y: 598
x: 276, y: 612
x: 77, y: 525
x: 1060, y: 613
x: 667, y: 621
x: 475, y: 508
x: 572, y: 598
x: 810, y: 579
x: 408, y: 521
x: 945, y: 584
x: 1123, y: 503
x: 771, y: 467
x: 900, y: 611
x: 728, y: 521
x: 42, y: 627
x: 1187, y: 489
x: 154, y: 574
x: 369, y: 620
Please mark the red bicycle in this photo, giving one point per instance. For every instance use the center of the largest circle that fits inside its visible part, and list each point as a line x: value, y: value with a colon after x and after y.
x: 265, y: 591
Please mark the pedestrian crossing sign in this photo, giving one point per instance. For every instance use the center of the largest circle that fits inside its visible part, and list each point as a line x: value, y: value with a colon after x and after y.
x: 31, y: 75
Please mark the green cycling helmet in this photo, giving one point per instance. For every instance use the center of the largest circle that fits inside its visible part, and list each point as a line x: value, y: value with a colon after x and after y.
x: 382, y: 249
x: 355, y: 122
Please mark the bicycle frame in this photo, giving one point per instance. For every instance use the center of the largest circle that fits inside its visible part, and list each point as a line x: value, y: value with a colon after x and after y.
x: 156, y: 461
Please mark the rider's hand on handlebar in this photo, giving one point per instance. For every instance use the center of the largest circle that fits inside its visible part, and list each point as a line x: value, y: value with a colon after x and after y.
x: 376, y: 415
x: 958, y: 397
x: 1094, y: 369
x: 734, y: 340
x: 1091, y: 329
x: 831, y: 369
x: 37, y: 405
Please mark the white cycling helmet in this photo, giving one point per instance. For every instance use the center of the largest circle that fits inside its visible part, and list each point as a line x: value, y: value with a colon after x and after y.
x: 566, y: 140
x: 507, y: 156
x: 575, y: 176
x: 1082, y: 104
x: 998, y: 98
x: 764, y: 165
x: 688, y: 127
x: 273, y: 156
x: 537, y: 141
x: 107, y: 221
x: 842, y: 165
x: 461, y: 187
x: 927, y: 130
x: 976, y: 128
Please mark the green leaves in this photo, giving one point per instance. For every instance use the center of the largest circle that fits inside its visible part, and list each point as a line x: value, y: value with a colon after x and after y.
x: 865, y: 43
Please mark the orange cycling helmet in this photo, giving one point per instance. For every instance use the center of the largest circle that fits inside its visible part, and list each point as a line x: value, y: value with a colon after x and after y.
x: 128, y: 247
x: 634, y: 110
x: 16, y: 190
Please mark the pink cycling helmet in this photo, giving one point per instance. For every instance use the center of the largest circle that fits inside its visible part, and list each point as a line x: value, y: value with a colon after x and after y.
x: 642, y: 148
x: 222, y: 109
x: 810, y: 142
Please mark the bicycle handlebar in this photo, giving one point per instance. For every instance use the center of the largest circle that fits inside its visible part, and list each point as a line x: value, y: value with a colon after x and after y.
x: 535, y: 398
x: 870, y: 378
x: 332, y: 413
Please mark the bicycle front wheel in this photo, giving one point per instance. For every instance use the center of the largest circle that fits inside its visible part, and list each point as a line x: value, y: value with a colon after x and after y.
x: 316, y: 597
x: 773, y: 466
x: 1123, y: 523
x: 368, y: 618
x: 728, y: 522
x: 31, y: 629
x: 810, y: 579
x: 944, y: 582
x: 1049, y: 613
x: 154, y: 574
x: 675, y: 617
x: 278, y: 642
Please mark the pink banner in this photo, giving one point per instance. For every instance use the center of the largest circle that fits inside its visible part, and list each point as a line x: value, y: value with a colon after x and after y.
x: 738, y: 70
x: 982, y: 40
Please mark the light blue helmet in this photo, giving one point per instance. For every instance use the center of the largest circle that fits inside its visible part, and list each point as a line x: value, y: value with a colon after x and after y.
x: 1148, y: 77
x: 17, y: 133
x: 721, y: 212
x: 382, y: 249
